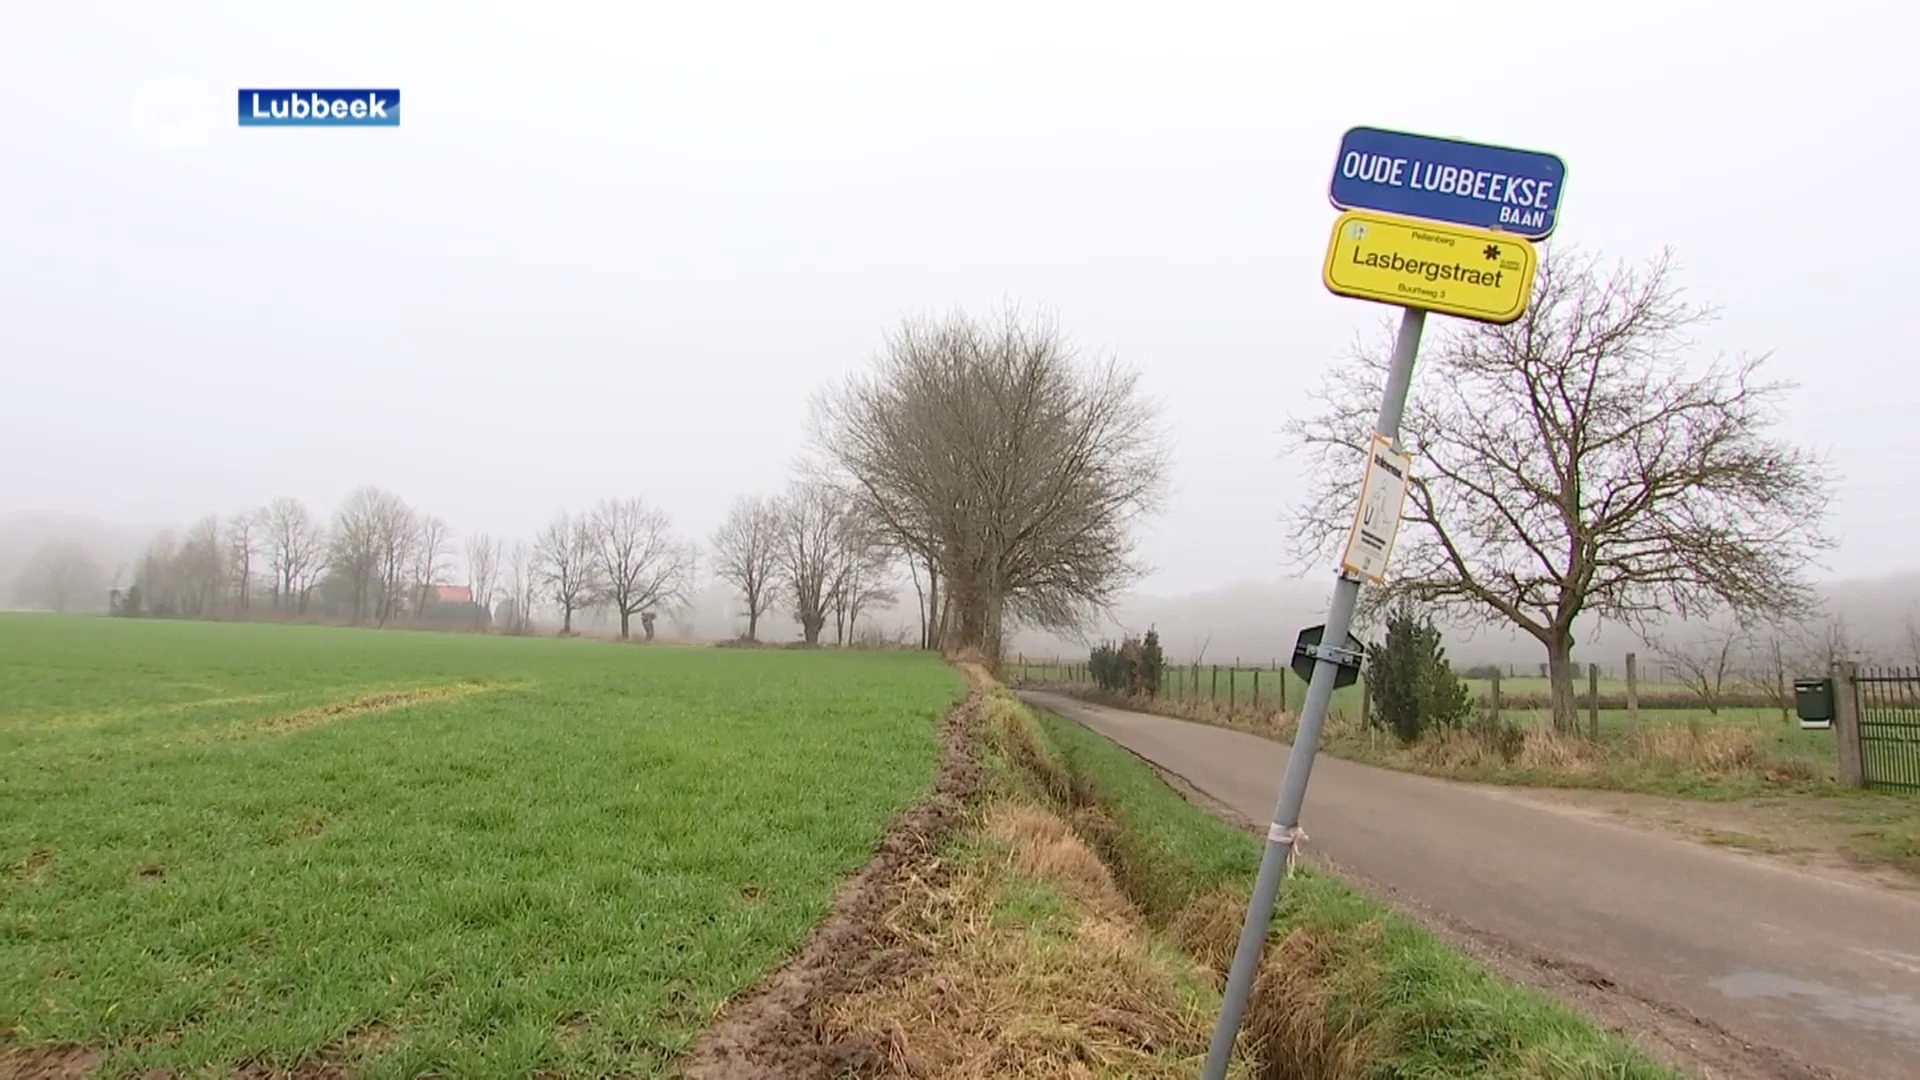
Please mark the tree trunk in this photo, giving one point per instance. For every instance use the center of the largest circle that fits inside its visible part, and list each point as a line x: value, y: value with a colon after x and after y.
x: 973, y: 628
x: 625, y: 621
x: 566, y: 619
x: 753, y: 618
x: 930, y: 634
x: 1566, y: 716
x: 810, y: 628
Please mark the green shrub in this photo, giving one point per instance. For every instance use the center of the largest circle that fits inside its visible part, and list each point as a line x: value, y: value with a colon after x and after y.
x: 1413, y: 687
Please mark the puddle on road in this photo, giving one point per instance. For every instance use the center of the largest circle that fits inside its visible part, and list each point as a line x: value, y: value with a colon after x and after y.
x: 1887, y: 1012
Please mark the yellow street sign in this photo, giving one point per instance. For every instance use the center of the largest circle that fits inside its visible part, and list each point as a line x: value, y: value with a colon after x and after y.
x: 1450, y: 269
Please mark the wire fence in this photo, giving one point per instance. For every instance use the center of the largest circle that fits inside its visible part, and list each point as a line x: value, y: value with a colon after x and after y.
x: 1273, y: 684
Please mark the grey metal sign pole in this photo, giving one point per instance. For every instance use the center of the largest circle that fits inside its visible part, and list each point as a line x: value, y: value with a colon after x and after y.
x: 1313, y: 717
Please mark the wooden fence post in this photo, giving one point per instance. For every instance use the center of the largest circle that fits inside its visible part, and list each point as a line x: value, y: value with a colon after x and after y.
x: 1256, y: 688
x: 1493, y: 696
x: 1230, y: 674
x: 1846, y: 722
x: 1633, y: 694
x: 1593, y: 702
x: 1213, y: 692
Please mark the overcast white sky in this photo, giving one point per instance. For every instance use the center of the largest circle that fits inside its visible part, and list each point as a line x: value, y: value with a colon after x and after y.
x: 612, y: 247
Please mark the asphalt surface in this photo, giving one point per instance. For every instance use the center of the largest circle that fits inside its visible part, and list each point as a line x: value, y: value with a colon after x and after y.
x: 1823, y: 971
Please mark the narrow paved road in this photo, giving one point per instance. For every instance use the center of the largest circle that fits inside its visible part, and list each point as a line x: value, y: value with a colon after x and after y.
x: 1824, y: 971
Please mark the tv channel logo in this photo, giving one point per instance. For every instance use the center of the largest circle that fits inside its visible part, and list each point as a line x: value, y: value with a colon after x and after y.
x: 319, y: 108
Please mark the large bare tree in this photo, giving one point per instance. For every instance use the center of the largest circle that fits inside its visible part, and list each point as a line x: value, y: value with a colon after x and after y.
x: 563, y: 557
x: 433, y: 545
x: 245, y: 533
x: 296, y: 551
x: 863, y: 562
x: 202, y: 568
x: 640, y: 564
x: 523, y: 585
x: 746, y: 551
x: 1579, y: 462
x: 809, y: 524
x: 994, y: 454
x: 483, y: 574
x: 374, y: 542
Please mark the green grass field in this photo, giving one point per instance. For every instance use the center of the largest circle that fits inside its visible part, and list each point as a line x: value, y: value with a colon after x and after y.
x: 226, y: 844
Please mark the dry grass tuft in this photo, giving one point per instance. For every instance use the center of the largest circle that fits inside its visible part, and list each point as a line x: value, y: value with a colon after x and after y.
x: 1710, y: 749
x: 362, y: 705
x: 1296, y: 1031
x: 1075, y: 994
x: 1043, y: 847
x: 1208, y: 927
x: 1014, y: 737
x: 1548, y: 751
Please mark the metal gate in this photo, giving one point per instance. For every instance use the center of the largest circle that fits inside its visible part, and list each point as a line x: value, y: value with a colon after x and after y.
x: 1890, y: 728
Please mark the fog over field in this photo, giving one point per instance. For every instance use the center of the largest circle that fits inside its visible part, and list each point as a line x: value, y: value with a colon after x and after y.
x: 623, y: 270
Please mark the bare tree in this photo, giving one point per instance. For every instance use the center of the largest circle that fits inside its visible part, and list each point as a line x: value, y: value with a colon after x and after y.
x: 396, y: 540
x: 746, y: 555
x: 61, y: 576
x: 245, y: 532
x: 432, y: 545
x: 1784, y: 652
x: 1576, y: 462
x: 522, y: 586
x: 862, y: 564
x: 992, y: 454
x: 1704, y: 661
x: 202, y: 568
x: 296, y: 549
x: 809, y: 521
x: 564, y: 562
x: 638, y: 561
x: 483, y: 573
x: 157, y: 576
x: 374, y: 539
x: 681, y: 609
x: 353, y: 555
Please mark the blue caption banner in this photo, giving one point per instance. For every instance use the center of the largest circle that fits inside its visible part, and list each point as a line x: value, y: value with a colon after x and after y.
x: 1487, y: 187
x: 319, y: 108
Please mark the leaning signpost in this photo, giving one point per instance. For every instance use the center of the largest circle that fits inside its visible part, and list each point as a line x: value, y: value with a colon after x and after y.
x: 1431, y: 225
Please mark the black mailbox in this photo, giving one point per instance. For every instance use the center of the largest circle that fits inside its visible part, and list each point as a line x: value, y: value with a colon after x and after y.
x: 1813, y: 700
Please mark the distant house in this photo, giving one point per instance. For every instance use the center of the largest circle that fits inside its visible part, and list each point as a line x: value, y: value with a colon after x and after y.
x: 452, y: 605
x: 452, y: 594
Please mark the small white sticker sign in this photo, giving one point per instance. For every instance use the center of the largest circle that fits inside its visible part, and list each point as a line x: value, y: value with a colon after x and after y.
x: 1377, y: 520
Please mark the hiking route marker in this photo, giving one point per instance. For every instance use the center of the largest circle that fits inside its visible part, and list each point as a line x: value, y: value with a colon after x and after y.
x: 1465, y: 276
x: 1376, y: 521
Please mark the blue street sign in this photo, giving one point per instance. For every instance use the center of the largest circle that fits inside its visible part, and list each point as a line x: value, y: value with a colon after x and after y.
x: 1489, y: 187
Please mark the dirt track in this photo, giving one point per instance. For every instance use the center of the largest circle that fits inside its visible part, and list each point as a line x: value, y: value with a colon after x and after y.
x: 1739, y: 967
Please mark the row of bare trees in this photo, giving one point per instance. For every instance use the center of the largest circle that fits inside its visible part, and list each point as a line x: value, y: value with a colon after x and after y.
x: 377, y: 559
x: 1722, y: 661
x: 812, y: 547
x: 622, y: 554
x: 380, y: 559
x: 993, y: 461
